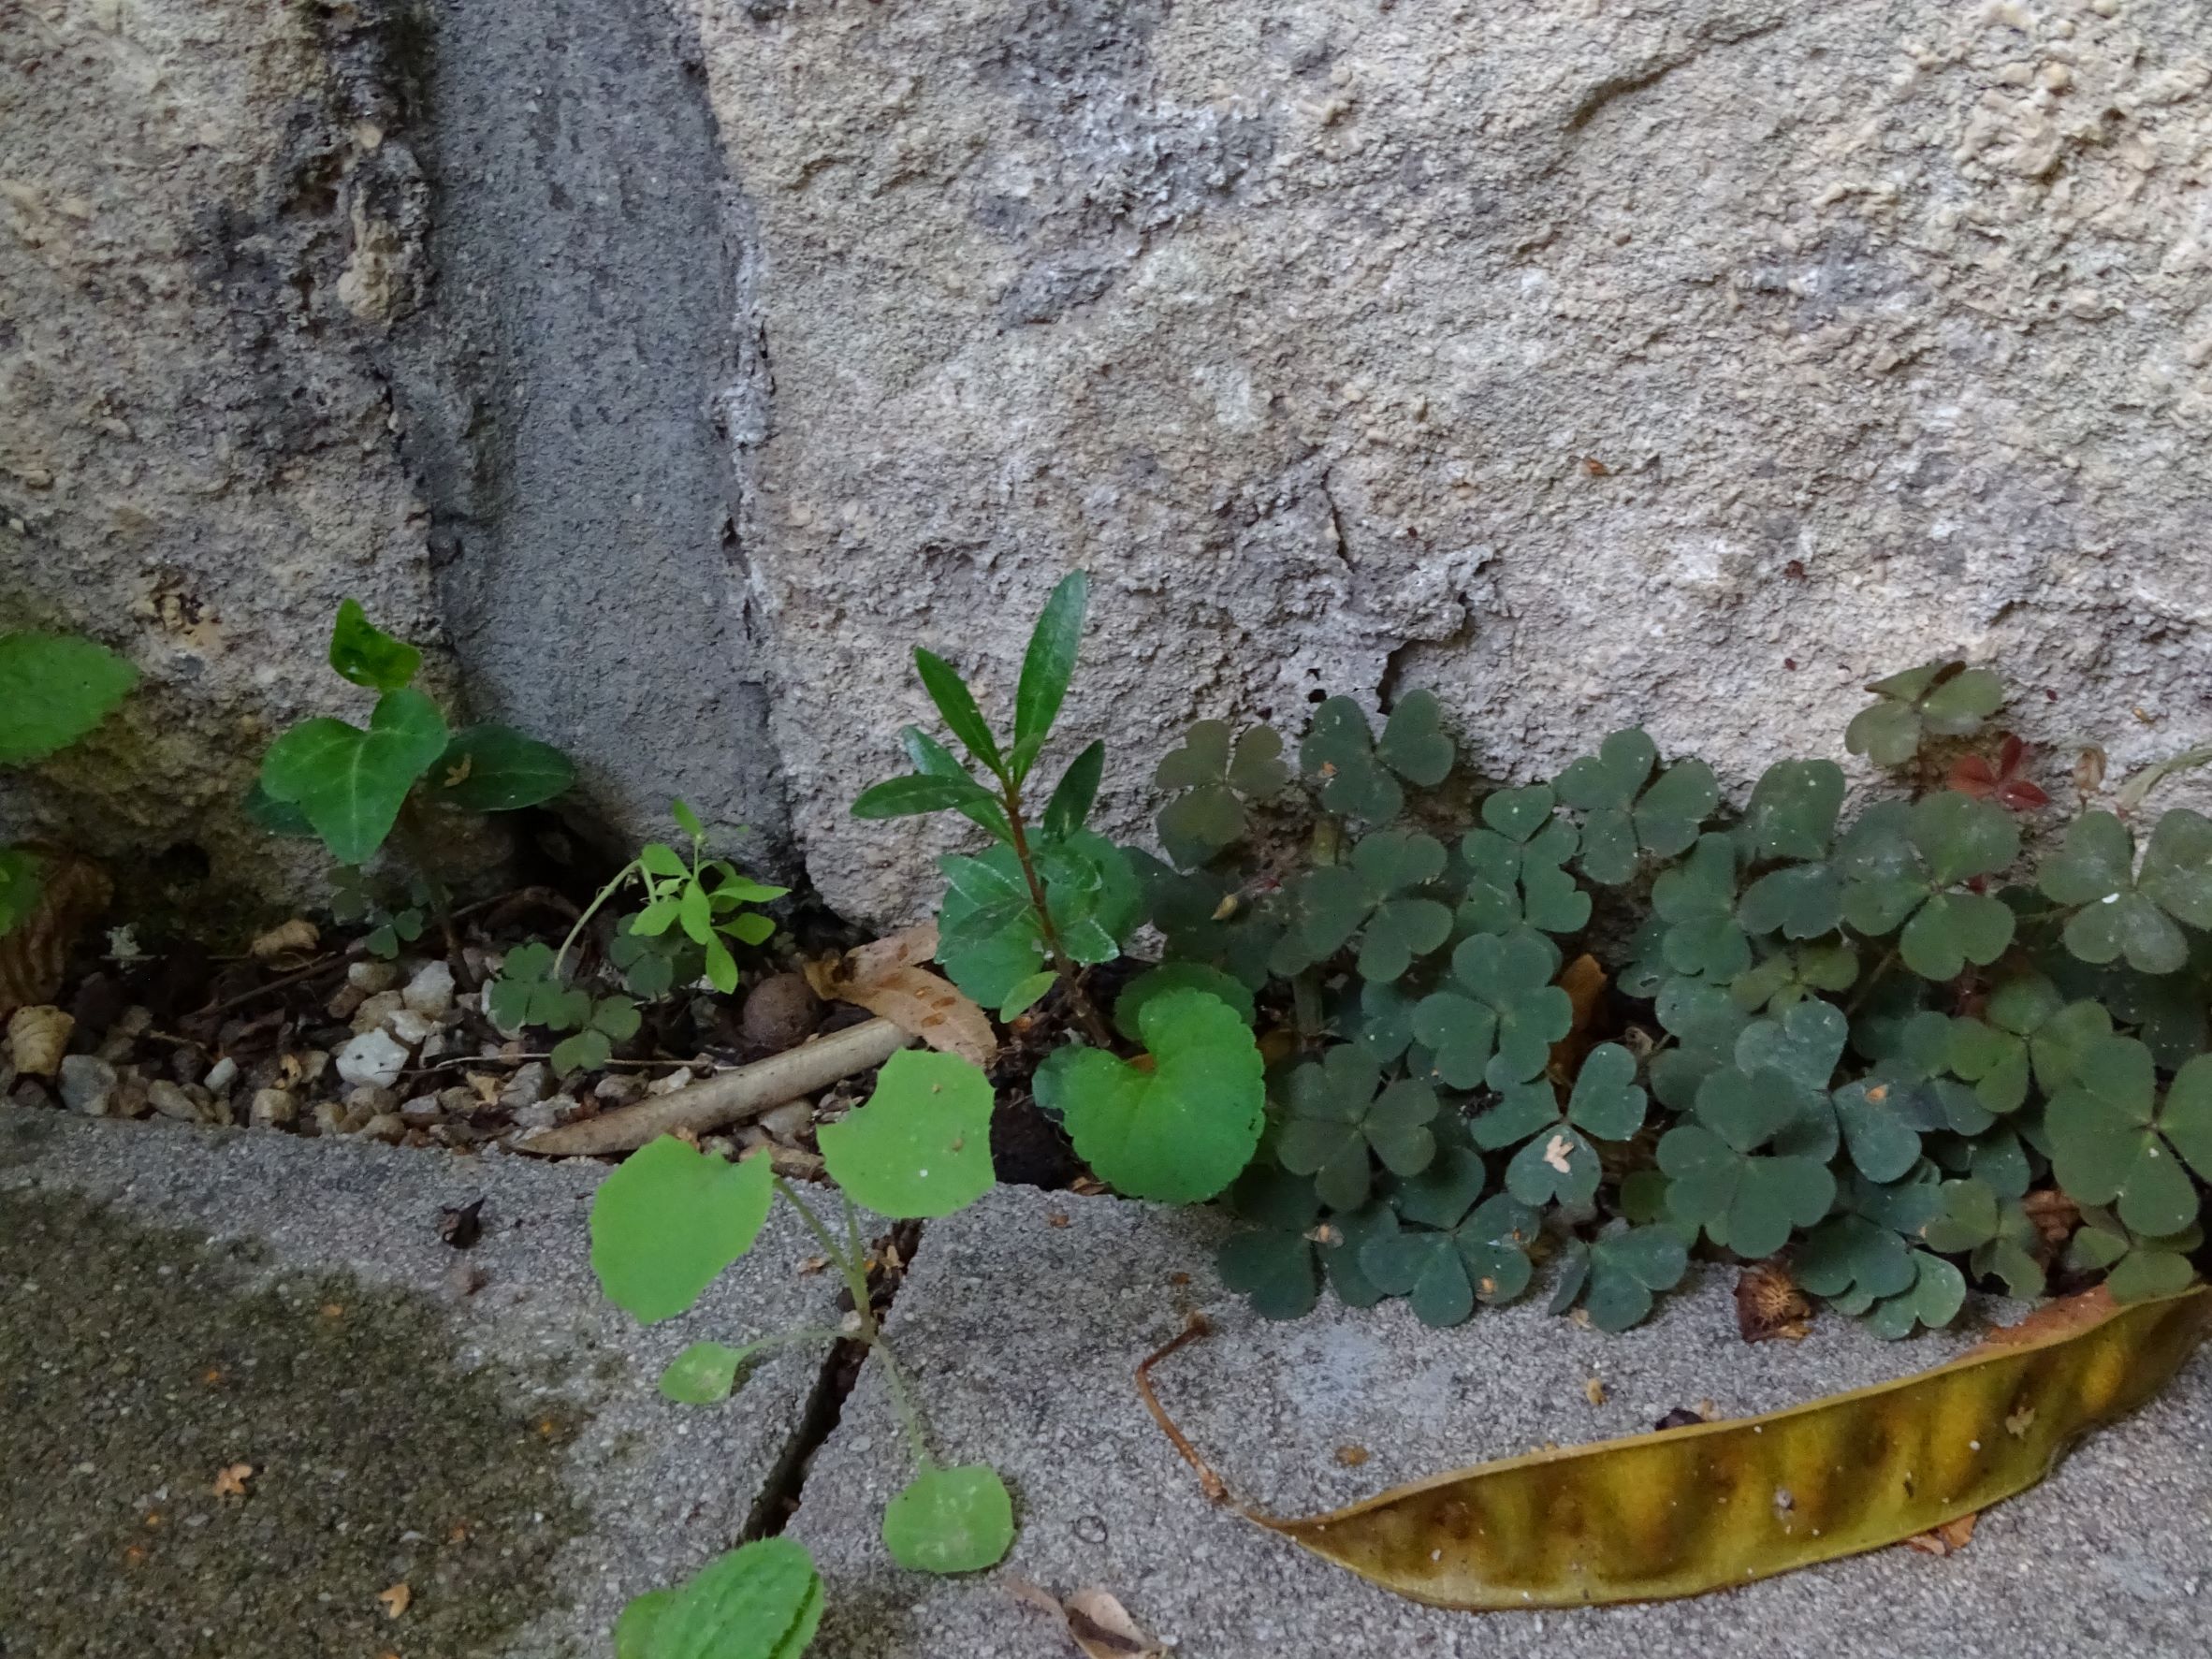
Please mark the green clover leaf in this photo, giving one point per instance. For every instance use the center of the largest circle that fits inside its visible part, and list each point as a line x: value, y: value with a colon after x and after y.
x: 1215, y: 782
x: 1273, y: 1265
x: 1696, y: 901
x: 2111, y: 1137
x: 2137, y: 1267
x: 1904, y: 866
x: 1622, y: 816
x: 1340, y: 1111
x: 1500, y: 1015
x: 1615, y: 1276
x: 1780, y: 979
x: 668, y: 1221
x: 1750, y: 1204
x: 1798, y: 901
x: 2126, y: 914
x: 1946, y: 698
x: 1375, y: 896
x: 1356, y: 774
x: 1514, y: 862
x: 1443, y: 1271
x: 1998, y: 1237
x: 1180, y: 1132
x: 921, y: 1146
x: 1792, y: 811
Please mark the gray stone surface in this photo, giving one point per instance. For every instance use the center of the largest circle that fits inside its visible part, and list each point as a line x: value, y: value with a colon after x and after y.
x: 562, y: 398
x: 1688, y: 363
x: 666, y: 1486
x: 1023, y: 1335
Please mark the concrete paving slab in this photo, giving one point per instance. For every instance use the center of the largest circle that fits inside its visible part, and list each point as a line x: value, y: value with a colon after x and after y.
x: 1023, y: 1315
x: 637, y: 1490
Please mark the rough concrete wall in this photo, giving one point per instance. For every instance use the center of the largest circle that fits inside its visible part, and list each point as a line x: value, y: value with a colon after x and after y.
x: 1685, y: 363
x: 200, y: 225
x: 562, y: 399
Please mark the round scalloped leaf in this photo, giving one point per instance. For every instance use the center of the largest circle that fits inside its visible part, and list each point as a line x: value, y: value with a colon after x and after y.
x: 669, y: 1219
x: 762, y: 1601
x: 703, y: 1373
x: 54, y: 688
x: 1177, y: 976
x: 1180, y: 1132
x: 921, y: 1146
x: 950, y: 1520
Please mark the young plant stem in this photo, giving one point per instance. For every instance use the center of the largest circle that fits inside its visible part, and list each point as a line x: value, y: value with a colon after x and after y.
x: 1305, y: 988
x: 417, y: 845
x: 1866, y: 987
x: 590, y: 909
x: 851, y: 1261
x: 1086, y: 1013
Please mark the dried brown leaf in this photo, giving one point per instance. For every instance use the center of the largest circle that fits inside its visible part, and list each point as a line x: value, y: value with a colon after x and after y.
x: 294, y: 938
x: 231, y: 1482
x: 1094, y: 1619
x: 885, y: 978
x: 37, y: 1038
x: 1946, y: 1539
x: 395, y: 1600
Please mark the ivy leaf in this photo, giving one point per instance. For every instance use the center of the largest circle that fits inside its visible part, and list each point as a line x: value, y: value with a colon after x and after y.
x: 494, y: 768
x: 1444, y: 1271
x: 761, y: 1601
x: 1946, y: 698
x: 1622, y: 816
x: 668, y: 1221
x: 349, y: 784
x: 1792, y: 811
x: 921, y: 1146
x: 1180, y: 1132
x: 367, y: 655
x: 950, y: 1520
x: 1500, y: 1015
x: 54, y: 688
x: 2123, y: 914
x: 1616, y: 1275
x: 1339, y: 1111
x: 2111, y: 1137
x: 1047, y: 667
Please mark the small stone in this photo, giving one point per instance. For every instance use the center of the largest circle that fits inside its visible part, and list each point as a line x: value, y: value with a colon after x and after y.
x: 780, y: 1012
x: 421, y: 1111
x: 221, y: 1075
x: 368, y: 1100
x: 538, y: 1115
x: 679, y: 1078
x: 330, y: 1119
x: 373, y: 1057
x: 529, y: 1084
x: 170, y: 1100
x: 31, y: 1095
x: 464, y: 1279
x: 273, y: 1109
x: 87, y: 1085
x: 372, y: 975
x: 433, y: 1047
x: 409, y: 1027
x: 790, y: 1120
x: 376, y: 1010
x: 619, y: 1088
x: 429, y: 993
x: 388, y: 1127
x: 343, y: 1001
x: 458, y: 1101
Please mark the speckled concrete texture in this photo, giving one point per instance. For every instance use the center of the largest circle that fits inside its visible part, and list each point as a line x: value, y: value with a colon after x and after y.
x: 1022, y: 1333
x: 666, y: 1486
x: 1687, y: 363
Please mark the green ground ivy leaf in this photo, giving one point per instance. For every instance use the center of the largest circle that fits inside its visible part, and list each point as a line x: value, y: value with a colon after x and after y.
x: 2126, y: 914
x: 950, y: 1520
x: 365, y: 654
x: 1177, y: 976
x: 1622, y: 816
x: 1904, y: 865
x: 1340, y: 1111
x: 1499, y: 1014
x: 1443, y: 1271
x: 668, y: 1221
x: 54, y: 688
x: 2111, y: 1137
x: 1616, y: 1275
x: 762, y: 1601
x: 1792, y: 811
x: 1047, y: 667
x: 921, y: 1147
x: 350, y: 783
x: 1514, y: 863
x: 1946, y: 698
x: 1180, y: 1132
x: 494, y: 768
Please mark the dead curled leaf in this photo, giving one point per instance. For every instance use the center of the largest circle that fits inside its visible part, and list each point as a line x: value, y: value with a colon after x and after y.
x: 231, y: 1482
x: 1714, y: 1505
x: 294, y: 938
x: 886, y: 979
x: 395, y: 1600
x: 1095, y: 1621
x: 1946, y: 1539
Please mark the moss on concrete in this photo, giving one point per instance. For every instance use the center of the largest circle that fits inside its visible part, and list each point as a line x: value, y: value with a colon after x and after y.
x: 136, y: 1364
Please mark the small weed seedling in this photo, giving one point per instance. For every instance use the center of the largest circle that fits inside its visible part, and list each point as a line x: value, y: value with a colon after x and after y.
x: 695, y: 908
x: 670, y: 1219
x: 352, y: 788
x: 55, y: 689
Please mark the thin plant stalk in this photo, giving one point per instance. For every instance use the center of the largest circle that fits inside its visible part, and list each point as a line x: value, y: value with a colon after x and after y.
x: 1086, y: 1013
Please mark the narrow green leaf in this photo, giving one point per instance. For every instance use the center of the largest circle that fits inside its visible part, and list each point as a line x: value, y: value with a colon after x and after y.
x: 1069, y: 807
x: 910, y: 796
x: 1050, y: 663
x: 1027, y: 993
x: 956, y: 704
